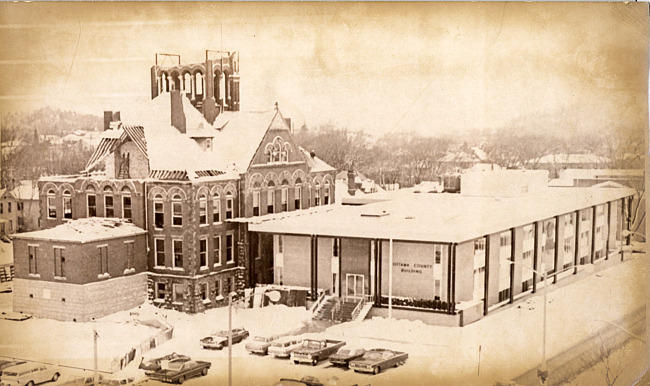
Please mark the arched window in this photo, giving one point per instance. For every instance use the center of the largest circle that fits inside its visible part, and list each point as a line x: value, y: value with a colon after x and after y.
x: 67, y: 204
x: 256, y: 199
x: 91, y: 201
x: 198, y: 83
x: 326, y: 193
x: 216, y: 208
x: 229, y: 205
x: 51, y: 203
x: 109, y: 209
x: 177, y: 210
x: 316, y: 194
x: 203, y: 209
x: 158, y: 211
x: 297, y: 194
x: 126, y: 204
x: 285, y: 196
x: 270, y: 198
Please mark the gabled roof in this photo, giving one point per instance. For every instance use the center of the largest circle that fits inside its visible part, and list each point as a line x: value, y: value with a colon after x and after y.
x: 111, y: 139
x: 316, y: 164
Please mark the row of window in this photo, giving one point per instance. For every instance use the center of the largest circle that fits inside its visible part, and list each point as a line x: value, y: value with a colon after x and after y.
x: 284, y: 199
x: 60, y: 262
x: 215, y: 250
x: 91, y: 204
x: 223, y: 286
x: 213, y: 206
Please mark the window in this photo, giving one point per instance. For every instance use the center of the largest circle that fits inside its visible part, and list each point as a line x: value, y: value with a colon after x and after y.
x: 129, y: 254
x: 216, y: 209
x: 280, y: 244
x: 336, y: 247
x: 2, y: 205
x: 479, y: 246
x: 528, y: 232
x: 51, y: 205
x: 229, y: 205
x: 326, y: 193
x: 109, y: 210
x: 158, y: 212
x: 256, y: 203
x: 103, y: 259
x: 568, y: 220
x: 8, y: 207
x: 91, y: 200
x: 11, y: 225
x: 59, y: 262
x: 19, y: 206
x: 217, y: 287
x: 208, y: 144
x: 203, y: 210
x: 126, y: 204
x: 177, y: 211
x: 504, y: 239
x: 179, y: 292
x: 204, y: 291
x: 33, y: 250
x: 67, y: 204
x: 270, y: 199
x: 316, y: 195
x: 297, y: 195
x: 285, y: 199
x: 216, y: 250
x: 161, y: 290
x: 437, y: 252
x: 203, y: 252
x: 226, y: 286
x: 159, y: 245
x: 229, y: 248
x: 178, y: 254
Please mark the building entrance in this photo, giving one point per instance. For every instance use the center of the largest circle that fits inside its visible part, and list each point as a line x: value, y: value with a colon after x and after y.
x: 354, y: 286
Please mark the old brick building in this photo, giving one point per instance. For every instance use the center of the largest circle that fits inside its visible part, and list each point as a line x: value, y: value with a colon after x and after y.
x: 188, y: 168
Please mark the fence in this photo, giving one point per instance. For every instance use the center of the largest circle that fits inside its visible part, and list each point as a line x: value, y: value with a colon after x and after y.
x: 166, y: 333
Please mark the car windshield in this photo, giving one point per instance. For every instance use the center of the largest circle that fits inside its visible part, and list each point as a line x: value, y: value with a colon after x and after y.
x: 260, y: 339
x: 312, y: 344
x: 281, y: 344
x: 374, y: 355
x: 10, y: 373
x: 175, y: 365
x: 343, y: 351
x: 222, y: 333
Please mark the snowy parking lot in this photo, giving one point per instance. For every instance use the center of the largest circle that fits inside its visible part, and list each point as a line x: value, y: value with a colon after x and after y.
x: 499, y: 347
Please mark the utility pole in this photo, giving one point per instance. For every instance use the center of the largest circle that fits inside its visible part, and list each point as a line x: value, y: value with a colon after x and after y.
x: 96, y: 373
x: 230, y: 339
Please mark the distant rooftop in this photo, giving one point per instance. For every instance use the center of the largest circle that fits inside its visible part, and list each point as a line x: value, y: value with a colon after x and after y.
x: 85, y: 230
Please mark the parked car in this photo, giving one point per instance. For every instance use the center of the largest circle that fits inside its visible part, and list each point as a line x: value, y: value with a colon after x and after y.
x: 345, y: 355
x: 312, y: 350
x: 378, y: 359
x: 260, y: 344
x: 282, y: 347
x: 5, y: 363
x: 29, y: 374
x: 307, y: 380
x: 218, y: 340
x: 77, y: 380
x: 178, y: 370
x: 154, y: 363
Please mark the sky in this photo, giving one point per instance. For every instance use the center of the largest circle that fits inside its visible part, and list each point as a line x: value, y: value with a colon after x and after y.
x: 432, y: 68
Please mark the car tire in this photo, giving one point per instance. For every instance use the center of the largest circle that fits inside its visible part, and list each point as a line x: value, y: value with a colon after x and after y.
x: 314, y: 362
x: 204, y: 372
x: 295, y: 362
x: 30, y: 383
x: 376, y: 370
x: 181, y: 380
x: 55, y: 377
x: 220, y: 347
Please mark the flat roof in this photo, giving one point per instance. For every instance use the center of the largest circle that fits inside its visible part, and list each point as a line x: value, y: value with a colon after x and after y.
x: 85, y: 230
x: 437, y: 217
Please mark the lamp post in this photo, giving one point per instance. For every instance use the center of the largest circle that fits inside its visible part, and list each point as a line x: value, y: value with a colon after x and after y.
x: 274, y: 296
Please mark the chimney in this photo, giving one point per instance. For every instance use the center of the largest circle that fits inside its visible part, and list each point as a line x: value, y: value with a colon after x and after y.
x: 209, y: 106
x: 177, y: 113
x: 116, y: 116
x: 352, y: 187
x: 108, y: 118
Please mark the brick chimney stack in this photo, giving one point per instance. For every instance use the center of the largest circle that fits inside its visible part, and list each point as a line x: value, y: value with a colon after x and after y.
x: 109, y: 117
x: 177, y: 113
x: 352, y: 186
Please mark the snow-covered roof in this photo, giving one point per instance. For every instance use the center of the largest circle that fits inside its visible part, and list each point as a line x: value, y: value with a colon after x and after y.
x: 85, y: 230
x: 26, y: 191
x: 316, y: 164
x: 441, y: 217
x: 600, y: 173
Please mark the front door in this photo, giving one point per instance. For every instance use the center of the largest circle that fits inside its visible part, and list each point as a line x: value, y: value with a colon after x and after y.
x: 354, y: 285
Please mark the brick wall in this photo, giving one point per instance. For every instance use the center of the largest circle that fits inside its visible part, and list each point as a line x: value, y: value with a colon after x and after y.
x: 73, y: 302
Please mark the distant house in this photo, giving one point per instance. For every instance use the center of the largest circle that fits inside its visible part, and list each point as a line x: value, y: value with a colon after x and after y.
x: 554, y: 163
x: 8, y: 213
x: 588, y: 177
x: 27, y: 206
x: 354, y: 184
x: 463, y: 158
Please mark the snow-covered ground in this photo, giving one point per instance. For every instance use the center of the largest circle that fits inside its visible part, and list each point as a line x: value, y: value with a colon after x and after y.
x: 505, y: 344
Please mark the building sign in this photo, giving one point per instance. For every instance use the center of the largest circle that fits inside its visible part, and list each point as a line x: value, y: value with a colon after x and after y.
x: 414, y: 270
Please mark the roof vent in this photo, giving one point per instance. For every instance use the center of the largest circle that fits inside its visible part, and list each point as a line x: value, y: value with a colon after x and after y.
x: 375, y: 214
